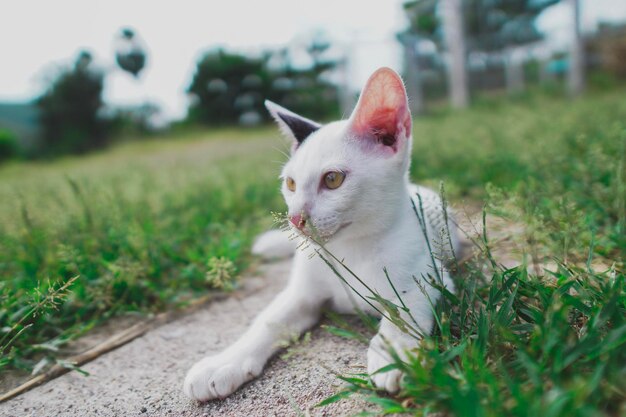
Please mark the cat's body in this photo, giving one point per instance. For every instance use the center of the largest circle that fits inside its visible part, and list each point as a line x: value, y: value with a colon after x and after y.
x: 346, y: 185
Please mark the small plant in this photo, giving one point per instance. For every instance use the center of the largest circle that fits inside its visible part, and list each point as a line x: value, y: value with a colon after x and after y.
x: 220, y: 273
x: 19, y: 323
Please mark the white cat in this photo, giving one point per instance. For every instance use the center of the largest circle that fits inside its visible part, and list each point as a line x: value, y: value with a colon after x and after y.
x: 347, y: 182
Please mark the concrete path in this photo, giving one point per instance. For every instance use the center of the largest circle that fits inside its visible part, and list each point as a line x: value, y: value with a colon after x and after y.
x: 144, y: 377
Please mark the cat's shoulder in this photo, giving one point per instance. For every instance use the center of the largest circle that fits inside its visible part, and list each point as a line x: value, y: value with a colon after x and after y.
x: 428, y: 196
x: 429, y: 201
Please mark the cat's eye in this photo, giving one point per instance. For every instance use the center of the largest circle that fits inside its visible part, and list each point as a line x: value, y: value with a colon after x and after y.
x: 291, y: 184
x: 334, y: 179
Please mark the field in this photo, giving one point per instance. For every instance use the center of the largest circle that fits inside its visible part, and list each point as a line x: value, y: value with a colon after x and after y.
x: 143, y: 227
x: 150, y: 225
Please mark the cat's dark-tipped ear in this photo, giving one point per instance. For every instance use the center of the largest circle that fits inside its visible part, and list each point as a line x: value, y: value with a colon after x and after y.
x: 292, y: 125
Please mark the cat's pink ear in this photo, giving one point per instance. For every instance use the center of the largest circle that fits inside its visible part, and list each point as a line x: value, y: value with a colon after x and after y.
x: 382, y: 113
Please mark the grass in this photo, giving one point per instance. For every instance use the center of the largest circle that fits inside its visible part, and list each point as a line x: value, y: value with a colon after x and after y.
x: 556, y: 166
x: 142, y: 227
x: 509, y: 343
x: 147, y: 226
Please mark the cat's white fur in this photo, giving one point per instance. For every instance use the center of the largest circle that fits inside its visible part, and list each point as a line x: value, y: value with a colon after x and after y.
x: 368, y: 222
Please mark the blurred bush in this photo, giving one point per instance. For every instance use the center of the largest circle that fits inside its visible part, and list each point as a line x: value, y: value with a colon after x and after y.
x: 136, y: 121
x: 70, y: 110
x: 8, y: 145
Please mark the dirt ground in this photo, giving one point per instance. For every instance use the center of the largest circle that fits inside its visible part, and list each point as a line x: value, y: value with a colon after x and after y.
x: 144, y: 377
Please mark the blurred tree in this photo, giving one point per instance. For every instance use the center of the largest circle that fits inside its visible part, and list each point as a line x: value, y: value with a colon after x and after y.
x: 493, y: 25
x: 69, y: 110
x: 307, y: 89
x: 501, y: 27
x: 489, y: 26
x: 130, y: 53
x: 227, y: 85
x: 230, y: 88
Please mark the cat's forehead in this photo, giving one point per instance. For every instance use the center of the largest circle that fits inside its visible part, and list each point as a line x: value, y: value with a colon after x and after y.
x: 325, y: 146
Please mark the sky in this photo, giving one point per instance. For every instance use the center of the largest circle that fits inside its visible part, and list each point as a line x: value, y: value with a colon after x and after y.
x: 37, y: 38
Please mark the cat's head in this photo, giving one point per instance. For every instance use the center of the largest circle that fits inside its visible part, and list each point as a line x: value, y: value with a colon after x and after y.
x: 348, y: 177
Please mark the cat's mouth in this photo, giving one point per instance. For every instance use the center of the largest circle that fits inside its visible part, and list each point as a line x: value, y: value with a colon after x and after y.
x: 325, y: 235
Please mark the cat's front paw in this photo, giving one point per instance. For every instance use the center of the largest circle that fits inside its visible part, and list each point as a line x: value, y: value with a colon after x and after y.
x: 218, y: 377
x: 378, y: 357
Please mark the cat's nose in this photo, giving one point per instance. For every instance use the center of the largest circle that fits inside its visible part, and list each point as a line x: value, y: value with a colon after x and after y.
x: 298, y: 221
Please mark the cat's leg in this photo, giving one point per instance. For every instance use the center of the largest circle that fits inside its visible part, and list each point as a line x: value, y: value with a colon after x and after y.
x: 389, y: 336
x: 293, y: 311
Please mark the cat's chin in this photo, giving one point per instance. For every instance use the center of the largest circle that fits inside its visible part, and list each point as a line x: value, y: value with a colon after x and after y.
x: 341, y: 228
x: 322, y: 236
